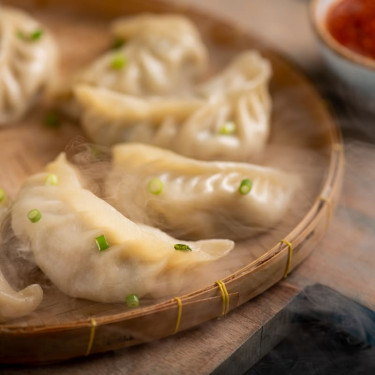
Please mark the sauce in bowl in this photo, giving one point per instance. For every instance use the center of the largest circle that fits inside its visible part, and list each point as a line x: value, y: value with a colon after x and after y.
x: 352, y: 24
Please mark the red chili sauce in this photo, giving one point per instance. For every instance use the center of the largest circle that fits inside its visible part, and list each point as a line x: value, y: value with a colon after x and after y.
x: 352, y: 24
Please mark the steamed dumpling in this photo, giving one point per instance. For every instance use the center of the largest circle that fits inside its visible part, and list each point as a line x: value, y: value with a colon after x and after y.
x: 196, y: 199
x: 163, y: 54
x: 227, y: 120
x: 64, y: 246
x: 15, y: 304
x: 235, y: 123
x: 249, y: 71
x: 171, y: 39
x: 110, y: 117
x: 28, y: 61
x: 234, y: 128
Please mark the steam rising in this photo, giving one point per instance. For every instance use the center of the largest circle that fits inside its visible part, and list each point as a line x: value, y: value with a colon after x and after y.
x: 329, y: 334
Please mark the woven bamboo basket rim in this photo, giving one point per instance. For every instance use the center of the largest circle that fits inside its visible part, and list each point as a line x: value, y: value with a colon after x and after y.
x: 320, y: 211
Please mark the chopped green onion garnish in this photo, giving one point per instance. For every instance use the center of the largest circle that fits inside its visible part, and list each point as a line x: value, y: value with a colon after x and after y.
x: 228, y: 128
x: 102, y: 243
x: 34, y: 215
x: 51, y: 180
x: 132, y: 300
x: 52, y: 119
x: 182, y: 247
x: 118, y: 62
x: 33, y: 36
x: 2, y: 194
x: 118, y: 43
x: 36, y: 35
x: 245, y: 186
x: 155, y: 186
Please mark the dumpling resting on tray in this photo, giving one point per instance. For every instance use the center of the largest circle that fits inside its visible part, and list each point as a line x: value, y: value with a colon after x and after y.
x: 249, y: 71
x: 169, y: 49
x: 15, y: 304
x: 90, y: 250
x: 109, y: 117
x: 197, y: 199
x: 162, y: 54
x: 228, y: 120
x: 28, y: 60
x: 235, y: 122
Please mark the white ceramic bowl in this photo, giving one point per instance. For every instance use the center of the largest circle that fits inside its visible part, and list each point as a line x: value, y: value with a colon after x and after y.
x: 356, y: 70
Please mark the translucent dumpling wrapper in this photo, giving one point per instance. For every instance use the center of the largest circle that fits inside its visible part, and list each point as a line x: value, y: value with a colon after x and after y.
x: 228, y: 119
x: 235, y: 128
x: 235, y: 123
x: 28, y: 63
x: 171, y: 39
x: 109, y: 117
x: 249, y: 71
x: 162, y: 54
x: 15, y: 304
x: 197, y: 199
x: 64, y: 241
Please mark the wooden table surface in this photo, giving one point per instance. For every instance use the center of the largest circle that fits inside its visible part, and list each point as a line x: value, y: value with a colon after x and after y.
x: 344, y: 260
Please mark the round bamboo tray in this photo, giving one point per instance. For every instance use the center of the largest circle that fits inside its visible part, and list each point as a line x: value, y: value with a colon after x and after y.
x: 304, y: 140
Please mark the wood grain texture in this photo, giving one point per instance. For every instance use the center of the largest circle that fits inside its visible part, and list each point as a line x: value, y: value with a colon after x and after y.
x: 174, y: 355
x: 63, y: 330
x: 345, y: 259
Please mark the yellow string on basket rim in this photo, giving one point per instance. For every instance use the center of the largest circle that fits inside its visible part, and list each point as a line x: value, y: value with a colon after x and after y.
x: 290, y: 253
x: 179, y: 313
x: 92, y: 336
x: 329, y: 209
x: 338, y: 147
x: 224, y: 295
